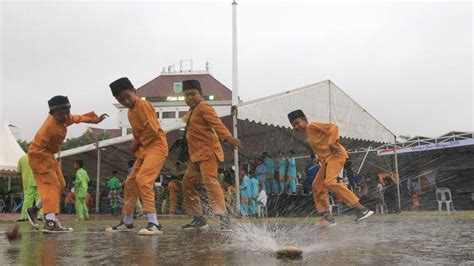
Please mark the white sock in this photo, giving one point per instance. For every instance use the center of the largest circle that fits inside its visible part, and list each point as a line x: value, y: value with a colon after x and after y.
x: 128, y: 218
x: 51, y: 216
x: 39, y: 205
x: 152, y: 218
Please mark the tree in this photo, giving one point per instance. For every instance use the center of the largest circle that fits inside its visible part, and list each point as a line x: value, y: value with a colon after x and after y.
x: 23, y: 144
x: 84, y: 139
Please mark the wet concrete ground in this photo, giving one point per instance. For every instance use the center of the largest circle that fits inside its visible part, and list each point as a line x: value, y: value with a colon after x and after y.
x: 382, y: 240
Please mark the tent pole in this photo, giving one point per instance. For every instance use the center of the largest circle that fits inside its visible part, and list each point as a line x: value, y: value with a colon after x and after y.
x: 396, y: 172
x: 363, y: 160
x: 235, y: 101
x: 97, y: 190
x: 329, y: 100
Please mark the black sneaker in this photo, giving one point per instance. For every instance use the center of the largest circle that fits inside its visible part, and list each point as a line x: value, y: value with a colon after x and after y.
x: 53, y: 227
x: 226, y: 225
x: 363, y: 214
x: 326, y: 221
x: 31, y: 214
x: 121, y: 227
x: 198, y: 222
x: 151, y: 229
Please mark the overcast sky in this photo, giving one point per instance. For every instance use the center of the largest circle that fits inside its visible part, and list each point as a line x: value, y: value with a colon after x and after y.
x: 408, y: 64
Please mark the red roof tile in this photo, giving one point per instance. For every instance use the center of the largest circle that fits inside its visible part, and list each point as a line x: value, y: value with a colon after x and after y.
x: 163, y: 86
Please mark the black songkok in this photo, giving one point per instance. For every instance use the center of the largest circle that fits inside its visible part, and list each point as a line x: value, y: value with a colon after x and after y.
x: 191, y: 84
x: 295, y: 115
x: 119, y: 85
x: 58, y: 102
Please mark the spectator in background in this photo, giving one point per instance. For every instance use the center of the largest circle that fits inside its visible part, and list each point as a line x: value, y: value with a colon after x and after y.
x: 260, y: 172
x: 271, y: 186
x: 282, y: 168
x: 415, y: 202
x: 30, y: 190
x: 262, y: 197
x: 262, y: 200
x: 229, y: 195
x: 220, y: 175
x: 89, y: 201
x: 310, y: 171
x: 379, y: 197
x: 69, y: 202
x: 245, y: 192
x: 254, y: 184
x: 162, y: 202
x: 114, y: 186
x: 291, y: 174
x: 80, y: 191
x: 391, y: 195
x: 175, y: 189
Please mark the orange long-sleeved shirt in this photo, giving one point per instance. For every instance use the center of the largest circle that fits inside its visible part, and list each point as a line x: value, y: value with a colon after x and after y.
x: 49, y: 138
x: 320, y: 136
x: 147, y: 130
x: 205, y: 129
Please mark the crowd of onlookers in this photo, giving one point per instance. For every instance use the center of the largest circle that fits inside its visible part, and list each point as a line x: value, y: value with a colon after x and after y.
x: 259, y: 179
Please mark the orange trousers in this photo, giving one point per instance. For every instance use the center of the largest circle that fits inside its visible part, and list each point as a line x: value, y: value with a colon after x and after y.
x: 141, y: 181
x: 50, y: 185
x: 326, y: 180
x: 174, y: 188
x: 204, y: 172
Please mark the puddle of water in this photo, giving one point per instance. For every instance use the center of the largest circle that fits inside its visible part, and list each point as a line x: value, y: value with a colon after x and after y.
x: 381, y: 240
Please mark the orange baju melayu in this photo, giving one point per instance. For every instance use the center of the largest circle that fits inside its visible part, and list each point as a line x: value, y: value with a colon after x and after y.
x: 320, y: 136
x: 151, y: 155
x: 46, y: 169
x: 205, y: 130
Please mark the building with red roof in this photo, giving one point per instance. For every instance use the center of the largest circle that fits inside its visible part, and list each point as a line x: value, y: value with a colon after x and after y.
x: 165, y: 94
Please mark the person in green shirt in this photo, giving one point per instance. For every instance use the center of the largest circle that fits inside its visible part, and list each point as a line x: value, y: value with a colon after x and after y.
x: 30, y: 190
x: 80, y: 190
x: 114, y: 186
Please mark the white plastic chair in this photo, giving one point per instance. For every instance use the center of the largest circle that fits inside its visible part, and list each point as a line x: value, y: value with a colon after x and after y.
x: 333, y: 205
x: 262, y: 211
x: 443, y: 195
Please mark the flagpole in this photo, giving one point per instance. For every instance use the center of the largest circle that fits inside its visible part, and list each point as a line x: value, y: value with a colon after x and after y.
x: 235, y: 101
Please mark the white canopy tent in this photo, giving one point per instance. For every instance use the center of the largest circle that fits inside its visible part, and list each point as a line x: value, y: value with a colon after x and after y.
x: 324, y: 102
x: 10, y: 153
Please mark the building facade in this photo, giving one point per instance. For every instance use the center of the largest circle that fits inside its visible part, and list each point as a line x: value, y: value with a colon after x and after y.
x: 165, y: 93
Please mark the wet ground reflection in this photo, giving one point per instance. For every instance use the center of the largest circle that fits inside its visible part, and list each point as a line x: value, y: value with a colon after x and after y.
x: 383, y: 240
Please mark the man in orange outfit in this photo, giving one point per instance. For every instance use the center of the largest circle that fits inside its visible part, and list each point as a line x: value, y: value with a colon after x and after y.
x: 151, y: 149
x: 46, y: 168
x: 324, y: 141
x: 203, y: 133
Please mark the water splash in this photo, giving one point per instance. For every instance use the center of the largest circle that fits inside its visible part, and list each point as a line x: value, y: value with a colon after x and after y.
x: 270, y: 235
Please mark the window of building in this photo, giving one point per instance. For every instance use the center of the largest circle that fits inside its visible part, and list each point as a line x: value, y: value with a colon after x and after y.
x: 158, y: 115
x: 169, y: 115
x: 209, y: 97
x: 182, y: 113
